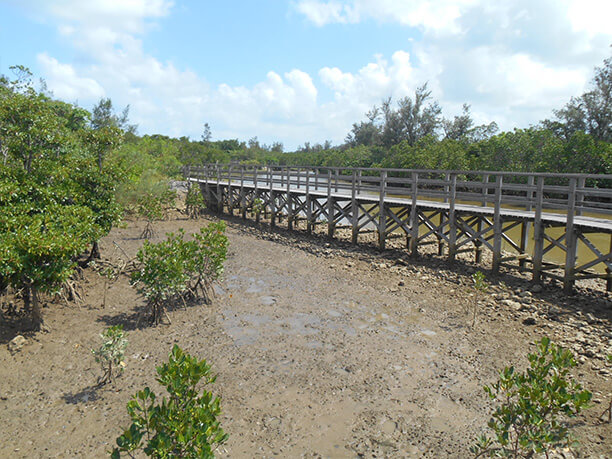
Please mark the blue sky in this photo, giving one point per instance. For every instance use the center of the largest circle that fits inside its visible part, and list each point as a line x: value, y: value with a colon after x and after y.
x: 305, y: 70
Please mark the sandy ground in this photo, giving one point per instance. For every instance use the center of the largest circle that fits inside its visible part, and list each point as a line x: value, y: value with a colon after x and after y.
x: 321, y: 350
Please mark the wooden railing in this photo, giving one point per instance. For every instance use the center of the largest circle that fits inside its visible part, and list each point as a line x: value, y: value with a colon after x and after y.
x: 568, y: 194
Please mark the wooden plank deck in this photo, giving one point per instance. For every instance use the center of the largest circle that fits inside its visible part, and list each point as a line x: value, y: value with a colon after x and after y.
x: 455, y: 208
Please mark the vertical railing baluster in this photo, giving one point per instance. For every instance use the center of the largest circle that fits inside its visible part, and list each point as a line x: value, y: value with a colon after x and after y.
x: 538, y: 231
x: 382, y: 217
x: 571, y: 239
x: 497, y: 224
x: 354, y: 209
x: 452, y: 221
x: 414, y: 217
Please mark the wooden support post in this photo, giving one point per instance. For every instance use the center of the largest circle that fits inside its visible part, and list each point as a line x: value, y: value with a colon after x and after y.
x: 538, y: 232
x: 219, y: 191
x: 289, y: 201
x: 382, y: 217
x: 414, y: 217
x: 571, y: 239
x: 272, y: 201
x: 256, y: 195
x: 336, y: 180
x: 330, y: 206
x: 354, y: 209
x: 497, y: 224
x: 316, y: 171
x: 446, y: 195
x: 207, y: 185
x: 526, y: 225
x: 452, y: 221
x: 308, y: 204
x: 477, y: 241
x: 242, y: 196
x: 230, y: 197
x: 359, y: 174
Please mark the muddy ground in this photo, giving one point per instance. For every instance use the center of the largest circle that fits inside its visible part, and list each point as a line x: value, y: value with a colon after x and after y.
x: 321, y: 349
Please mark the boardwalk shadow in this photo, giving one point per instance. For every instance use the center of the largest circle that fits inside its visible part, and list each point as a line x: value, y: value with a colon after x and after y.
x: 582, y: 301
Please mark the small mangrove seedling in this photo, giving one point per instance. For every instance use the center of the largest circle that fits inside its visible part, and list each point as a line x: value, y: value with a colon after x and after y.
x: 481, y: 285
x: 257, y: 208
x: 111, y: 352
x: 529, y: 420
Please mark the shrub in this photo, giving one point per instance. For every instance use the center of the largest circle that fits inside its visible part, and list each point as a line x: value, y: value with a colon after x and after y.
x: 176, y: 269
x: 110, y: 354
x: 527, y: 421
x: 182, y: 425
x: 194, y: 202
x: 209, y: 251
x: 161, y: 275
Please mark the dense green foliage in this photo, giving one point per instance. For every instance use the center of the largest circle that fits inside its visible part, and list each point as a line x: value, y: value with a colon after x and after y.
x: 54, y: 199
x: 177, y: 269
x: 184, y: 424
x: 528, y: 419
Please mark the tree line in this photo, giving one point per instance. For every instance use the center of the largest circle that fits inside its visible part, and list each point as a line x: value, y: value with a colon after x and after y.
x: 412, y: 133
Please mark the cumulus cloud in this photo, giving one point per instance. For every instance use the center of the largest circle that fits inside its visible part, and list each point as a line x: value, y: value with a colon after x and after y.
x: 438, y: 15
x: 66, y: 83
x: 512, y: 61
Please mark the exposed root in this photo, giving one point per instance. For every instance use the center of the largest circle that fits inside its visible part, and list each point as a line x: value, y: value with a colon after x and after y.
x: 148, y: 232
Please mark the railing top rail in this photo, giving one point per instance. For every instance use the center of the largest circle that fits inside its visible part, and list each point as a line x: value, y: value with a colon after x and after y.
x: 432, y: 171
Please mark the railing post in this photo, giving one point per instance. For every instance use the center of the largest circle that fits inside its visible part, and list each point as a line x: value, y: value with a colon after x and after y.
x: 382, y: 217
x: 330, y: 206
x: 477, y: 241
x: 297, y: 169
x: 414, y: 217
x: 497, y: 224
x: 242, y: 197
x: 526, y: 225
x: 289, y: 201
x: 316, y: 171
x: 538, y: 232
x: 308, y: 204
x: 452, y: 221
x: 336, y: 180
x: 230, y: 196
x: 359, y: 174
x: 256, y: 195
x: 272, y: 199
x: 580, y: 195
x: 571, y: 239
x: 219, y: 191
x: 354, y: 209
x: 206, y: 184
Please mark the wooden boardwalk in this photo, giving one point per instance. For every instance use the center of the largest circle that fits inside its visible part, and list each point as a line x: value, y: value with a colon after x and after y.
x: 459, y: 211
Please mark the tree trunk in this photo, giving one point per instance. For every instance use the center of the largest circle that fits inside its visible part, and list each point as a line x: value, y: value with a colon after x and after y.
x: 37, y: 317
x: 95, y: 251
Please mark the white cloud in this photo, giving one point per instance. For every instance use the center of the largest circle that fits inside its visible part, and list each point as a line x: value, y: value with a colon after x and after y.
x: 65, y: 82
x: 505, y: 59
x: 436, y: 15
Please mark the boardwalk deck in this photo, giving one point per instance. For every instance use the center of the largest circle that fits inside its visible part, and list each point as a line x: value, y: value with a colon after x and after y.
x: 459, y: 210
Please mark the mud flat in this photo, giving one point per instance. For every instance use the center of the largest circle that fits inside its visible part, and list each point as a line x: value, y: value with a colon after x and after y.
x: 321, y: 350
